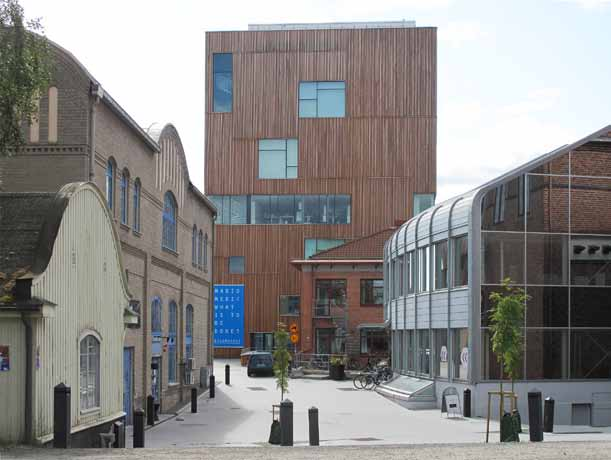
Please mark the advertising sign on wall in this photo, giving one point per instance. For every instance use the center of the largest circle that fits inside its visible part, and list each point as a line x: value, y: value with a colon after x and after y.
x: 5, y: 364
x: 229, y: 315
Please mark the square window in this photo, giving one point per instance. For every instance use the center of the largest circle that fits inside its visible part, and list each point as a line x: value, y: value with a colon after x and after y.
x: 278, y: 158
x: 322, y: 99
x: 236, y: 264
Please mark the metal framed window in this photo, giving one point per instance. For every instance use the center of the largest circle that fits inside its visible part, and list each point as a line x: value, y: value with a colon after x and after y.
x: 136, y: 205
x: 89, y: 372
x: 322, y: 99
x: 172, y: 321
x: 169, y: 222
x: 124, y: 196
x: 222, y: 75
x: 278, y: 158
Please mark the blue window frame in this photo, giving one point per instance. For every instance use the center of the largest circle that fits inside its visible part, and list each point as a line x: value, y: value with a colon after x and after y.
x: 189, y: 332
x: 322, y: 99
x: 172, y: 321
x: 169, y: 222
x: 222, y: 75
x: 124, y: 196
x: 136, y: 205
x: 110, y: 183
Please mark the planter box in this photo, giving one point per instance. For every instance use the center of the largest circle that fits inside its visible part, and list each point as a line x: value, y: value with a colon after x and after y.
x: 337, y: 372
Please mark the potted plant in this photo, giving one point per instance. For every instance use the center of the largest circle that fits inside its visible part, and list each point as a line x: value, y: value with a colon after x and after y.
x: 337, y: 366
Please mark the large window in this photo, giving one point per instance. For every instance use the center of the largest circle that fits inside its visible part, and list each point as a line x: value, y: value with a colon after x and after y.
x: 313, y: 246
x: 262, y: 341
x: 409, y: 272
x: 461, y: 261
x: 374, y: 342
x: 372, y: 292
x: 424, y: 272
x: 194, y: 247
x: 322, y: 99
x: 90, y: 372
x: 172, y: 322
x: 441, y: 265
x: 136, y: 205
x: 169, y: 222
x: 278, y: 158
x: 222, y: 70
x: 442, y: 358
x: 289, y: 305
x: 330, y: 294
x: 124, y: 196
x: 200, y: 250
x: 423, y: 201
x: 156, y: 317
x: 110, y: 183
x: 189, y: 332
x: 460, y: 353
x: 236, y: 264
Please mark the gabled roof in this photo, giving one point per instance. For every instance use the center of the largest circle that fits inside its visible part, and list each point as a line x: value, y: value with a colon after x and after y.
x: 369, y: 247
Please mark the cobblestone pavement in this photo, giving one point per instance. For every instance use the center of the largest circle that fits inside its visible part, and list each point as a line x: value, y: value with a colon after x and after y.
x: 523, y: 451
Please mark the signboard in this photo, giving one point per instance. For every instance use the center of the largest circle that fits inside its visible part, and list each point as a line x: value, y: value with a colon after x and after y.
x: 294, y: 338
x: 5, y: 364
x: 453, y: 406
x: 229, y: 315
x: 293, y: 328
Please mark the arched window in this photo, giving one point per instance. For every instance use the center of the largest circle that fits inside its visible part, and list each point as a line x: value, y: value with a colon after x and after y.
x: 124, y: 196
x: 172, y: 320
x: 200, y: 250
x: 136, y: 205
x: 110, y: 183
x: 89, y: 372
x: 189, y: 332
x: 169, y: 222
x: 156, y: 317
x: 205, y: 264
x: 194, y: 247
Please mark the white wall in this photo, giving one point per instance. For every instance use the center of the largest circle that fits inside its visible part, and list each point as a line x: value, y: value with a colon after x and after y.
x: 12, y: 382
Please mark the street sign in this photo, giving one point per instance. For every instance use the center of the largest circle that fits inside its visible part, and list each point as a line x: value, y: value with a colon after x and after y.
x: 294, y: 338
x: 294, y: 328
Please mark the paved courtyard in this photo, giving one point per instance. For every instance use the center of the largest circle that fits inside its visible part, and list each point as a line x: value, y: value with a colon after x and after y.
x: 240, y: 415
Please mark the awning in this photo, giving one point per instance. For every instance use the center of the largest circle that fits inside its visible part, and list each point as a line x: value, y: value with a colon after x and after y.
x: 377, y: 326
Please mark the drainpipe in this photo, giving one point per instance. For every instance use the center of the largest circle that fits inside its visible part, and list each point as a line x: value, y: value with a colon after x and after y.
x: 98, y: 93
x: 28, y: 378
x: 211, y: 301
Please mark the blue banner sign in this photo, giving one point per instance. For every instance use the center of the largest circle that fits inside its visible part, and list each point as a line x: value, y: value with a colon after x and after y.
x: 229, y: 315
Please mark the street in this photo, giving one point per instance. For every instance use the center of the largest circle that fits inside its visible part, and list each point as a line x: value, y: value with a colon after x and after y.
x: 241, y: 415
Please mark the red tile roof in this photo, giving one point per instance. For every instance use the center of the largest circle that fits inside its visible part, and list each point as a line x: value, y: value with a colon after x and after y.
x: 367, y: 247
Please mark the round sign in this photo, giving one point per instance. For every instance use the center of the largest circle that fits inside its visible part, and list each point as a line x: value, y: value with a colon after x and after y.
x: 294, y: 338
x: 293, y: 328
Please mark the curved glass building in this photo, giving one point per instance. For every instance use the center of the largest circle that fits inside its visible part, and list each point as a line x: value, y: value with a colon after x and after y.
x: 545, y: 225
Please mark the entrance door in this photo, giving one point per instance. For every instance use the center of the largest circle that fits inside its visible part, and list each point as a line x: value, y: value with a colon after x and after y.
x: 156, y: 378
x: 128, y: 384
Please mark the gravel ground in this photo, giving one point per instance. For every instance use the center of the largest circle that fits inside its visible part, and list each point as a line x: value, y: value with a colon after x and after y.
x: 523, y: 451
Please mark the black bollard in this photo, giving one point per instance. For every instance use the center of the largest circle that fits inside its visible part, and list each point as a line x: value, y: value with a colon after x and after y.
x: 466, y: 403
x: 193, y: 400
x: 212, y: 386
x: 535, y: 417
x: 150, y: 410
x: 313, y: 421
x: 139, y: 428
x: 227, y: 377
x: 61, y: 416
x: 119, y: 430
x: 548, y: 415
x: 286, y: 423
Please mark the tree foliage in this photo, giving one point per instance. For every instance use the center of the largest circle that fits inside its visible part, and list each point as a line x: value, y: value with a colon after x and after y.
x: 25, y: 72
x: 506, y: 322
x: 282, y: 358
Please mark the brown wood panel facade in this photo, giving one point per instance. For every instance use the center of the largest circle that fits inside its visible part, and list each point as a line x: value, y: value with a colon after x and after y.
x: 381, y: 153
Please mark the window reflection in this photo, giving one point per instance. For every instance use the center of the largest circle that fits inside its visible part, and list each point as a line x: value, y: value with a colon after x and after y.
x: 547, y: 306
x: 547, y: 354
x: 502, y: 257
x: 590, y: 202
x: 591, y: 354
x: 547, y: 259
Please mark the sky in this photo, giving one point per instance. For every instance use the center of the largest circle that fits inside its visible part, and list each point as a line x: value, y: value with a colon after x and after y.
x: 515, y: 78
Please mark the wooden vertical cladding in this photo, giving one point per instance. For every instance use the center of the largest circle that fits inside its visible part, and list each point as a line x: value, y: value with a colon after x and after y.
x: 381, y: 153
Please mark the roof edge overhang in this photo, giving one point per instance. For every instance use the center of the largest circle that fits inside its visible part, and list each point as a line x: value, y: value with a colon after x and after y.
x: 337, y: 261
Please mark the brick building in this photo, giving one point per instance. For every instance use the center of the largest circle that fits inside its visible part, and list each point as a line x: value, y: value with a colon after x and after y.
x: 342, y: 292
x: 166, y: 226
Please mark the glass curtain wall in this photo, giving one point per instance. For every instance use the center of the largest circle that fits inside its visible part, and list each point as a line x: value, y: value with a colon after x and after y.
x: 553, y: 239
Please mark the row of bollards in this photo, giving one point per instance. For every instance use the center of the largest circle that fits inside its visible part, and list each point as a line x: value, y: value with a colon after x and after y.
x: 286, y: 424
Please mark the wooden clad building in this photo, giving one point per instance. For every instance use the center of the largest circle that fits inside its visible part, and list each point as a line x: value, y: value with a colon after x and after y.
x: 316, y: 134
x: 64, y: 306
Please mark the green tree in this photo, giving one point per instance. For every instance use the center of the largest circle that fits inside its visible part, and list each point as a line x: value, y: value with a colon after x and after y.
x: 282, y: 358
x: 25, y: 72
x: 506, y: 323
